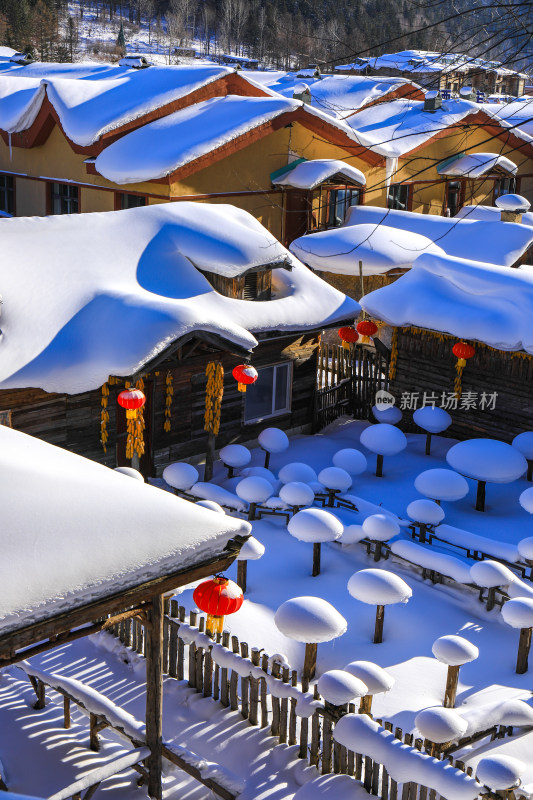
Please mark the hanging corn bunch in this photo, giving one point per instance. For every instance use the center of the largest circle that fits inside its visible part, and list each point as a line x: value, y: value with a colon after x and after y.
x: 133, y: 401
x: 104, y: 417
x: 393, y: 354
x: 213, y: 396
x: 462, y: 351
x: 168, y: 402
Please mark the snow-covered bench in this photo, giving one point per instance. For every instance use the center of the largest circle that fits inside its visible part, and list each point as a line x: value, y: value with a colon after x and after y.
x: 434, y: 564
x: 90, y: 782
x: 475, y: 545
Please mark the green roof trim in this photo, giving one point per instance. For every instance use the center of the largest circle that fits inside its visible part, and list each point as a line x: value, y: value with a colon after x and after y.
x: 283, y: 170
x: 448, y: 161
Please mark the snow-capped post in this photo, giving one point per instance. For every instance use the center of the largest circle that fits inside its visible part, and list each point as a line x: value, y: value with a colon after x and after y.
x: 272, y: 440
x: 490, y: 575
x: 454, y: 651
x: 391, y: 414
x: 338, y: 688
x: 335, y: 480
x: 315, y: 525
x: 376, y: 679
x: 379, y: 588
x: 297, y: 495
x: 380, y: 528
x: 180, y: 476
x: 251, y: 550
x: 384, y: 440
x: 235, y: 456
x: 254, y: 491
x: 486, y: 461
x: 217, y: 597
x: 524, y: 444
x: 518, y: 613
x: 351, y: 460
x: 432, y: 420
x: 214, y: 392
x: 154, y: 694
x: 440, y: 727
x: 424, y: 513
x: 297, y: 471
x: 499, y: 776
x: 310, y: 620
x: 441, y: 484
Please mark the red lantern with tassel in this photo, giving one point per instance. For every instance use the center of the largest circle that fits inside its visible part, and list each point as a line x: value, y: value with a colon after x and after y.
x: 462, y: 351
x: 349, y: 336
x: 367, y: 328
x: 245, y: 375
x: 132, y: 400
x: 218, y: 597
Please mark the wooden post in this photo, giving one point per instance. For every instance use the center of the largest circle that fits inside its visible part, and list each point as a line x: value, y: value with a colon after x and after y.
x: 276, y: 704
x: 451, y: 687
x: 524, y: 645
x: 365, y: 705
x: 253, y: 716
x: 209, y: 456
x: 377, y: 550
x: 40, y: 691
x: 251, y: 512
x: 66, y: 712
x: 480, y: 496
x: 267, y: 459
x: 242, y: 570
x: 378, y: 630
x: 264, y: 692
x: 310, y: 661
x: 428, y: 444
x: 316, y: 559
x: 379, y: 466
x: 94, y: 741
x: 423, y: 531
x: 361, y: 279
x: 529, y: 469
x: 245, y: 686
x: 154, y: 695
x: 224, y: 685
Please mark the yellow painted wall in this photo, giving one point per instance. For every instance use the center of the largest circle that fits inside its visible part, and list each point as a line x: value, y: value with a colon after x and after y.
x: 30, y: 198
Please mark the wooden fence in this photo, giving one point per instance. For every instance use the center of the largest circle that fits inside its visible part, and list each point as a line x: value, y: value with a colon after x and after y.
x: 184, y: 660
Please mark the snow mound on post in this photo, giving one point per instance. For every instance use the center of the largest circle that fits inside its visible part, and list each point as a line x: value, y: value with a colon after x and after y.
x: 261, y: 472
x: 518, y: 612
x: 491, y: 573
x: 331, y: 787
x: 338, y: 687
x: 297, y: 494
x: 254, y: 490
x: 425, y: 511
x: 524, y: 444
x: 310, y: 620
x: 454, y: 650
x: 383, y: 439
x: 251, y: 550
x: 297, y: 471
x: 500, y: 772
x: 335, y: 478
x: 375, y: 677
x: 211, y: 505
x: 391, y: 415
x: 380, y: 527
x: 441, y: 484
x: 432, y: 420
x: 351, y: 460
x: 440, y: 725
x: 362, y: 735
x: 526, y: 500
x: 525, y: 548
x: 235, y: 455
x: 273, y: 440
x: 180, y: 475
x: 131, y: 473
x: 352, y: 534
x: 487, y: 460
x: 315, y: 525
x: 378, y: 587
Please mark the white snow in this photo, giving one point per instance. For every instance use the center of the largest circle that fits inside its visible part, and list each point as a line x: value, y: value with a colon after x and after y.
x: 361, y: 734
x: 98, y: 775
x: 380, y: 527
x: 58, y: 488
x: 235, y: 455
x: 489, y: 214
x: 253, y: 489
x: 526, y: 500
x: 339, y: 687
x: 429, y: 558
x: 475, y: 541
x: 525, y: 548
x: 212, y: 506
x: 500, y: 772
x: 273, y: 440
x: 310, y: 174
x: 375, y: 677
x: 180, y: 475
x: 64, y: 287
x: 297, y: 471
x: 219, y: 495
x: 440, y: 724
x: 378, y: 587
x: 454, y: 650
x: 524, y: 443
x: 512, y: 202
x: 391, y: 415
x: 297, y: 494
x: 251, y: 550
x: 335, y: 478
x: 425, y: 511
x: 352, y: 534
x: 491, y: 573
x: 432, y: 419
x: 384, y: 439
x: 487, y: 460
x: 331, y: 787
x: 310, y: 620
x: 351, y: 460
x: 475, y: 165
x: 516, y: 713
x: 518, y: 612
x: 315, y: 525
x: 441, y: 484
x: 261, y: 472
x: 130, y: 472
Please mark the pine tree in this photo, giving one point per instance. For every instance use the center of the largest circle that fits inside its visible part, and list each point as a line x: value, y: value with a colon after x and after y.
x: 121, y: 39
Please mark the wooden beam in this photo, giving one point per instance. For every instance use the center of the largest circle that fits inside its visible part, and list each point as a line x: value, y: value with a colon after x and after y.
x: 154, y: 697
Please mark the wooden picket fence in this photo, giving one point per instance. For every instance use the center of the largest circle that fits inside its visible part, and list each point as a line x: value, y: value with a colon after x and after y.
x: 251, y: 697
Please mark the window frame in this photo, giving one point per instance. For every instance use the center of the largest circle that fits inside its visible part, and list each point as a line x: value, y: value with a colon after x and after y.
x: 461, y: 194
x: 281, y: 412
x: 501, y: 179
x: 63, y: 198
x: 322, y: 212
x: 8, y: 192
x: 120, y: 195
x: 408, y: 199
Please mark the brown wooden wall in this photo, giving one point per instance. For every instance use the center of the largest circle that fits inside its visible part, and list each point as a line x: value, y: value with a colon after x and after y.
x: 426, y: 364
x: 73, y: 421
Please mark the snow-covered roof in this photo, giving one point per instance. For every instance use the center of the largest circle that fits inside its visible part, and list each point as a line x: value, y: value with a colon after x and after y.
x: 489, y: 214
x: 102, y: 294
x: 309, y: 174
x: 58, y: 511
x: 338, y: 95
x: 474, y: 165
x: 386, y: 239
x: 467, y: 299
x: 431, y: 61
x: 93, y: 99
x: 518, y: 113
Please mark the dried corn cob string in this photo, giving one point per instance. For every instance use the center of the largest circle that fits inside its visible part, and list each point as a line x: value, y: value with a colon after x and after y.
x: 104, y: 417
x: 168, y: 402
x: 213, y: 396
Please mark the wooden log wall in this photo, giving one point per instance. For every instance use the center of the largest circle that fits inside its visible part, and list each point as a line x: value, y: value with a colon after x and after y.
x: 252, y: 699
x: 426, y: 364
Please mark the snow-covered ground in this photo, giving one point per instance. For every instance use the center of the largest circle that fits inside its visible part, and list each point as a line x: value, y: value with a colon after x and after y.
x: 284, y: 571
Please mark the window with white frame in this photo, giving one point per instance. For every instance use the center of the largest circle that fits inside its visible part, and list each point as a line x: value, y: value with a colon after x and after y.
x: 270, y: 395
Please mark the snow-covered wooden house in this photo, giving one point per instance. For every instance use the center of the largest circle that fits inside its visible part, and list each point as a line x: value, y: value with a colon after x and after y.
x: 155, y: 294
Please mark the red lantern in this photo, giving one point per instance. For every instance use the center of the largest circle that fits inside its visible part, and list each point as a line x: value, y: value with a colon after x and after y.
x: 463, y: 351
x: 349, y: 336
x: 367, y: 328
x: 218, y: 597
x: 132, y: 400
x: 245, y: 375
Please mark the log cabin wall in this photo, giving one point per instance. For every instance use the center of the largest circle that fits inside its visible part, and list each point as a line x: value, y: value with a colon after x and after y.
x: 427, y: 364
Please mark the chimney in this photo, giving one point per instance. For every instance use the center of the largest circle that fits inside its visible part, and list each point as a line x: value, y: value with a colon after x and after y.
x: 432, y: 101
x: 512, y: 206
x: 468, y: 93
x: 302, y: 92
